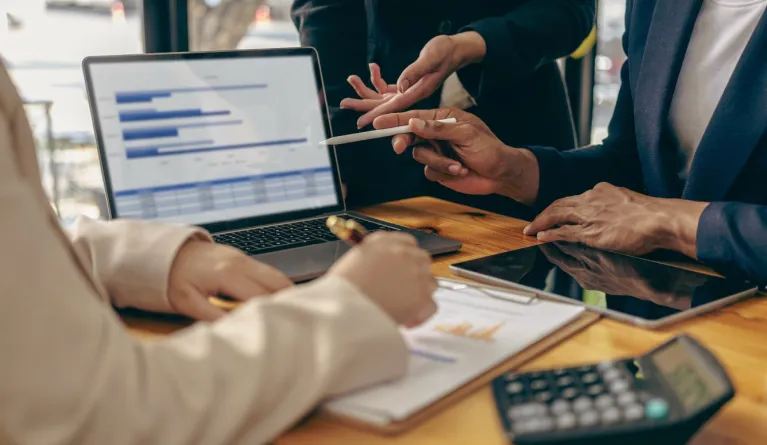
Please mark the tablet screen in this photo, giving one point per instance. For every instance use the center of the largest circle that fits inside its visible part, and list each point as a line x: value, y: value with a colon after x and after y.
x: 620, y: 283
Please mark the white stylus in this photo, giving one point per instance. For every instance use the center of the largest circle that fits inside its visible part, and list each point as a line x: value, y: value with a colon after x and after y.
x: 375, y: 134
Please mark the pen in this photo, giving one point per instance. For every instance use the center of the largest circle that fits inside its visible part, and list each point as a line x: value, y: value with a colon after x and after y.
x: 375, y: 134
x: 346, y: 230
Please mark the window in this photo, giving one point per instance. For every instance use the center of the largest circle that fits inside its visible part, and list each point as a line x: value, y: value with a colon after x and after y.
x: 609, y: 59
x: 240, y: 24
x: 42, y: 43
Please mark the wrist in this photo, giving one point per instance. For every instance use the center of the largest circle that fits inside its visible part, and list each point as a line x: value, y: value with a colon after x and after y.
x: 675, y: 224
x: 470, y: 48
x: 518, y: 175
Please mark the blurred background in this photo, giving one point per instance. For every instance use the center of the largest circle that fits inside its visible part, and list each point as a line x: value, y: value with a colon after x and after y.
x: 42, y: 43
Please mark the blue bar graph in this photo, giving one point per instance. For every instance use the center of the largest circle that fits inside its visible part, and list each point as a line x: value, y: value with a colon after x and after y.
x: 129, y: 97
x: 132, y: 98
x: 149, y: 133
x: 153, y: 148
x: 158, y: 151
x: 159, y: 132
x: 150, y: 115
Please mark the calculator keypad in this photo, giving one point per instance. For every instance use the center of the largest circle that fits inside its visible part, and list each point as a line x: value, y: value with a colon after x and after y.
x: 578, y: 398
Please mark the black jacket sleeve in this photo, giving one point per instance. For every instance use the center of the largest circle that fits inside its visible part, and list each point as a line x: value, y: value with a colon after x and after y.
x: 337, y: 29
x: 616, y: 160
x: 519, y: 42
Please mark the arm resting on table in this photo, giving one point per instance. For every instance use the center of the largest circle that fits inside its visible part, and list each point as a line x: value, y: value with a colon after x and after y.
x: 615, y: 161
x: 732, y: 238
x: 132, y: 259
x: 72, y: 374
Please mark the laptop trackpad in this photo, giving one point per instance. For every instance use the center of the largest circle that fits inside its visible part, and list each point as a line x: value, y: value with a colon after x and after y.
x: 305, y: 263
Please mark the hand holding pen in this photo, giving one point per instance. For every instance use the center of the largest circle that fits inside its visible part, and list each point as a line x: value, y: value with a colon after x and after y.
x: 389, y: 268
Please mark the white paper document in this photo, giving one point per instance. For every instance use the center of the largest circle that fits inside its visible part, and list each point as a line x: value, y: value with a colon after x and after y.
x: 471, y: 333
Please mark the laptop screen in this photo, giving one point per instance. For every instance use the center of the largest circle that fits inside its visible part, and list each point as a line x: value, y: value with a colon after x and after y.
x: 207, y: 140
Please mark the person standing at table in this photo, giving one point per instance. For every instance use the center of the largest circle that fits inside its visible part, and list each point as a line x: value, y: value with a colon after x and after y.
x: 683, y: 167
x: 494, y: 58
x: 71, y: 374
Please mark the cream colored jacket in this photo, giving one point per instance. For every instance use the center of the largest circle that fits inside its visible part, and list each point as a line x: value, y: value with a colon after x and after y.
x: 70, y: 373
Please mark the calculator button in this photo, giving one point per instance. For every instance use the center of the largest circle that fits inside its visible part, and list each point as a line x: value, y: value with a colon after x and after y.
x: 611, y: 415
x: 619, y: 386
x: 589, y: 378
x: 604, y: 401
x: 514, y: 388
x: 627, y: 398
x: 528, y: 410
x: 544, y: 396
x: 543, y: 424
x: 611, y: 375
x: 560, y: 407
x: 595, y: 390
x: 559, y: 372
x: 586, y: 368
x: 565, y: 421
x: 570, y: 393
x: 523, y: 427
x: 656, y: 409
x: 538, y: 385
x: 633, y: 412
x: 604, y: 366
x: 510, y: 376
x: 565, y: 381
x: 589, y: 418
x: 583, y: 403
x: 536, y: 375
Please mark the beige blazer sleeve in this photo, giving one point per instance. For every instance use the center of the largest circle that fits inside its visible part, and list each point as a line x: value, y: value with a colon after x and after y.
x: 71, y: 374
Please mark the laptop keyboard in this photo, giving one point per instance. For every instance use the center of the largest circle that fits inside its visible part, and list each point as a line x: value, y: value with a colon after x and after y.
x: 287, y: 236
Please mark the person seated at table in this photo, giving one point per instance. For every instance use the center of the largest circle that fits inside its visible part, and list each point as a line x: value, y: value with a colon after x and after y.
x: 684, y: 165
x: 441, y: 53
x: 72, y: 374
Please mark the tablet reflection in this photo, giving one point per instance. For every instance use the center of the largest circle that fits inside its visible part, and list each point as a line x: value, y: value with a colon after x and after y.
x: 618, y: 275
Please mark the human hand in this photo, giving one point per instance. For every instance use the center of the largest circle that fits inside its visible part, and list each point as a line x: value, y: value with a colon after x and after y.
x: 202, y: 269
x: 440, y: 57
x: 482, y: 165
x: 394, y: 273
x: 616, y: 275
x: 617, y: 219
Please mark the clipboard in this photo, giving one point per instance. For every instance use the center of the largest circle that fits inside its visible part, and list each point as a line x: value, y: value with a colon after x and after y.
x: 512, y: 363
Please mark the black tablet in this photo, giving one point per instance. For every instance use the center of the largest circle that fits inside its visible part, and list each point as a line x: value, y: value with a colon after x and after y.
x: 635, y: 290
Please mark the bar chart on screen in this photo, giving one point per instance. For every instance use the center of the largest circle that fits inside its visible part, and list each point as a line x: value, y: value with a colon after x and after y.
x: 203, y: 141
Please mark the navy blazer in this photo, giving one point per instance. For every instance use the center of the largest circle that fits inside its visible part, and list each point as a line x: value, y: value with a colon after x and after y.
x: 730, y: 166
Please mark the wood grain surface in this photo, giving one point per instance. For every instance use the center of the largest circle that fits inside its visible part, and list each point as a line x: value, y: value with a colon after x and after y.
x: 737, y: 335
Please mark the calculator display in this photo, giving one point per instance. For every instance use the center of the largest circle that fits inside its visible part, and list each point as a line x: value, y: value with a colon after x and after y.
x: 695, y: 386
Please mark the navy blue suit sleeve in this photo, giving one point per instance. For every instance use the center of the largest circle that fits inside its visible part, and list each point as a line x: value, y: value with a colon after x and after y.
x: 615, y: 161
x: 522, y: 40
x: 732, y: 238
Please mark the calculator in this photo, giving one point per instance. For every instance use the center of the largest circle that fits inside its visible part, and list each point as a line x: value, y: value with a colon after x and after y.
x: 665, y: 395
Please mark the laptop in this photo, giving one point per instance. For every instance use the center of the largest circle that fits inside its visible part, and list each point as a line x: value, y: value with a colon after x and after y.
x: 228, y: 141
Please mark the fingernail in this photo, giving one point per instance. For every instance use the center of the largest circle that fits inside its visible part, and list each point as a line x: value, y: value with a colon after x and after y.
x: 403, y: 85
x: 464, y: 171
x: 418, y: 124
x: 526, y: 229
x: 541, y: 236
x: 455, y: 169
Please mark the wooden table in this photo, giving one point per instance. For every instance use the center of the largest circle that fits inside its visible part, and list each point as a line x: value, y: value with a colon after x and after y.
x: 737, y: 335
